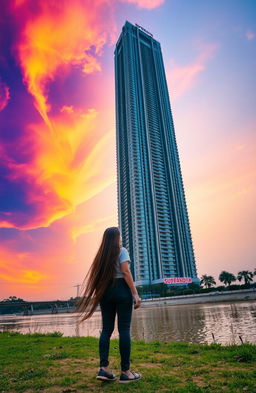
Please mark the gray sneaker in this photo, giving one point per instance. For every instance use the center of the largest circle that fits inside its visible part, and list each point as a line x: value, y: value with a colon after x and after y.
x: 125, y: 379
x: 104, y: 376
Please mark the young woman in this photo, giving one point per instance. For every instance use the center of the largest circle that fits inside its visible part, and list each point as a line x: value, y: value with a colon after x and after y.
x: 109, y: 283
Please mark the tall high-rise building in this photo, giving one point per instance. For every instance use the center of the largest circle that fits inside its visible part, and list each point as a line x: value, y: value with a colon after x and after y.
x: 152, y: 212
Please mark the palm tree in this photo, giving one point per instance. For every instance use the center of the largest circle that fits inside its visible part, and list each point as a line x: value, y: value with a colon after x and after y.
x: 226, y: 277
x: 207, y: 281
x: 254, y: 273
x: 245, y: 275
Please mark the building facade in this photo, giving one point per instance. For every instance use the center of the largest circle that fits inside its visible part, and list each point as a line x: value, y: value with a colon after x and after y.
x: 152, y: 211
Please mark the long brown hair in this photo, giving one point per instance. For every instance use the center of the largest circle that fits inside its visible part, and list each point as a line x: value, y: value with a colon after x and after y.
x: 100, y: 275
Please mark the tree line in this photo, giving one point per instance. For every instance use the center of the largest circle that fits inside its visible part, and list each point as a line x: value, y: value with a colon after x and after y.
x: 227, y: 278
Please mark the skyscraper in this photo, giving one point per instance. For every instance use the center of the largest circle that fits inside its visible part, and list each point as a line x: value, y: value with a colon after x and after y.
x: 152, y: 212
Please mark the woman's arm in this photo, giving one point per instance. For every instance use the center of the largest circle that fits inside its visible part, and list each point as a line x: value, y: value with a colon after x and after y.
x: 128, y: 277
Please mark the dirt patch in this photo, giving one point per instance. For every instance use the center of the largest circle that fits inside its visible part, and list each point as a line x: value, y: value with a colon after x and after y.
x: 163, y: 390
x: 75, y: 360
x: 76, y: 366
x: 58, y: 389
x: 149, y: 365
x: 199, y: 381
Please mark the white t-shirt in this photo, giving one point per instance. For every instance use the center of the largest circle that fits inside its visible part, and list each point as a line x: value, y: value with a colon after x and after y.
x: 123, y: 256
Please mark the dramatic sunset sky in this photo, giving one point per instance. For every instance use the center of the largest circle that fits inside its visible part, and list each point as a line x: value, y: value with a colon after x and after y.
x: 58, y: 189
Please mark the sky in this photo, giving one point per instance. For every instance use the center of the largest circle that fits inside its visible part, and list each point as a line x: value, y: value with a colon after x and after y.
x: 58, y: 180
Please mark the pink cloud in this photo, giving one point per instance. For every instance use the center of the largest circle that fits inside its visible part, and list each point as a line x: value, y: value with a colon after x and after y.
x: 183, y: 78
x: 4, y: 95
x: 148, y: 4
x: 249, y: 35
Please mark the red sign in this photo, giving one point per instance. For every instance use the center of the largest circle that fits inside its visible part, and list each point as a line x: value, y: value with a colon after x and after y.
x: 177, y: 280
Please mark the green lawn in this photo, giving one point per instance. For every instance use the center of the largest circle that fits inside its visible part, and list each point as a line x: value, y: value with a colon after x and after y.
x: 52, y: 363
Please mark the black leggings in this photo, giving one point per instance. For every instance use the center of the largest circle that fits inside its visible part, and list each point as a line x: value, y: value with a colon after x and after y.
x: 116, y: 300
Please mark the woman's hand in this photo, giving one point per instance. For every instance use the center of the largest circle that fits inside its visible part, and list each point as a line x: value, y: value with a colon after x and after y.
x: 137, y: 301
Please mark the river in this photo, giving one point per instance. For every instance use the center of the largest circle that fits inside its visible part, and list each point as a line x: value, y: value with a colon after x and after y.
x: 194, y: 323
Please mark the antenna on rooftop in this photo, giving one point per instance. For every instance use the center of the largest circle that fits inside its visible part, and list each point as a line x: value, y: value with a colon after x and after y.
x: 77, y: 290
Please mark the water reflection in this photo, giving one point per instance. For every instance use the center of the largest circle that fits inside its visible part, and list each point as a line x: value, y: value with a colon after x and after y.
x: 193, y: 323
x: 171, y: 323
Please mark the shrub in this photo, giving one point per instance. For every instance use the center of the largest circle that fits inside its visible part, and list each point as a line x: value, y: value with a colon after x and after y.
x: 188, y: 291
x: 234, y: 287
x: 220, y: 288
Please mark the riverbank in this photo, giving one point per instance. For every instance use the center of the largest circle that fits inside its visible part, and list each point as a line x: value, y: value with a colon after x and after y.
x: 211, y: 297
x: 48, y: 363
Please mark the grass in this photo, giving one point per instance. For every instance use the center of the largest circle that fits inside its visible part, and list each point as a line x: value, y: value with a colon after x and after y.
x: 50, y: 363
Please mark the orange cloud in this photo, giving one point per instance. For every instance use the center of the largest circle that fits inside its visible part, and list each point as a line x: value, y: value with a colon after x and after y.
x: 61, y: 35
x: 183, y: 78
x: 148, y: 4
x: 68, y: 167
x: 14, y: 270
x: 39, y: 266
